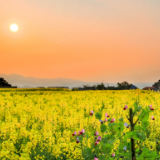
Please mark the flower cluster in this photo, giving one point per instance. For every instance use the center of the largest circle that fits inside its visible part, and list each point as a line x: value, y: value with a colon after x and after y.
x: 152, y: 118
x: 91, y: 113
x: 105, y: 120
x: 125, y: 107
x: 151, y: 107
x: 99, y: 138
x: 82, y: 132
x: 113, y: 120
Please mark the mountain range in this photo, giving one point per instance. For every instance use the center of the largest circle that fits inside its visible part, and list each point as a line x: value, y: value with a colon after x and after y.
x: 29, y: 82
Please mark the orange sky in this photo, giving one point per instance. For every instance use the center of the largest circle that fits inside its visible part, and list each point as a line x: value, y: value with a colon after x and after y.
x: 90, y: 40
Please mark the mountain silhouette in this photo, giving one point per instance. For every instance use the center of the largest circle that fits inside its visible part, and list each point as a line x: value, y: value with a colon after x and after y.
x: 29, y: 82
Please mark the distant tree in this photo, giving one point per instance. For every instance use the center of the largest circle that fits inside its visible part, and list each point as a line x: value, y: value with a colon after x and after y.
x: 123, y: 85
x: 85, y: 86
x: 111, y: 88
x: 95, y: 86
x: 119, y: 85
x: 155, y: 85
x: 4, y: 83
x: 74, y: 89
x: 100, y: 86
x: 2, y: 80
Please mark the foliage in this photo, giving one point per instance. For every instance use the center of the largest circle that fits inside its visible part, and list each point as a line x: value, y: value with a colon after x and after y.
x: 123, y: 85
x: 39, y: 123
x: 106, y: 146
x: 74, y: 89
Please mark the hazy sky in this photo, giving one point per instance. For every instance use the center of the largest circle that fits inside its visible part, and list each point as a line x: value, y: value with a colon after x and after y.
x: 89, y: 40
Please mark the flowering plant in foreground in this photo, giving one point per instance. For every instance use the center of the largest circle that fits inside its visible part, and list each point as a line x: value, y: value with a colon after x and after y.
x: 102, y: 147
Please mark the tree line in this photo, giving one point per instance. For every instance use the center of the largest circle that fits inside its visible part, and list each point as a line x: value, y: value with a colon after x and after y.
x: 120, y: 86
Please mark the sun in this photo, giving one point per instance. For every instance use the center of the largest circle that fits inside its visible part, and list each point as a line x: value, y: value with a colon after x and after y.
x: 14, y: 27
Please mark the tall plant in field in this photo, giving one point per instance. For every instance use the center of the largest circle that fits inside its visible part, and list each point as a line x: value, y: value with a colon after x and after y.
x: 103, y: 146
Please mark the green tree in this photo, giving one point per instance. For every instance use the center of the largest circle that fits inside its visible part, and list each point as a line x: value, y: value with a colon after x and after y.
x: 74, y: 89
x: 123, y: 85
x: 155, y: 85
x: 100, y: 86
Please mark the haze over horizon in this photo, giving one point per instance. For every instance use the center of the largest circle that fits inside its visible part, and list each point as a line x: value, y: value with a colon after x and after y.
x: 30, y: 82
x: 91, y: 40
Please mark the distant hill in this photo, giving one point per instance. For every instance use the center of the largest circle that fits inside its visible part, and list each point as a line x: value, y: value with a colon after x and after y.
x: 29, y: 82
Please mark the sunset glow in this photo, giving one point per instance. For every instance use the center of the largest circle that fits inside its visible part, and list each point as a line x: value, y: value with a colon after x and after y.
x: 14, y: 27
x: 94, y: 40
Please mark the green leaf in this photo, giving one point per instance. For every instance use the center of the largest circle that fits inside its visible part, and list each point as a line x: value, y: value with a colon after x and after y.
x: 119, y: 135
x: 98, y: 115
x: 106, y: 148
x: 103, y: 128
x: 139, y: 109
x: 111, y: 141
x: 102, y: 107
x: 121, y: 119
x: 101, y: 157
x: 135, y: 105
x: 146, y: 117
x: 153, y: 154
x: 109, y: 119
x: 158, y: 156
x: 148, y: 154
x: 137, y: 127
x: 132, y: 134
x: 119, y: 127
x: 105, y: 139
x: 128, y: 135
x: 127, y: 144
x: 92, y: 134
x: 87, y: 135
x: 141, y: 135
x: 136, y: 138
x: 145, y: 124
x: 88, y: 152
x: 80, y: 139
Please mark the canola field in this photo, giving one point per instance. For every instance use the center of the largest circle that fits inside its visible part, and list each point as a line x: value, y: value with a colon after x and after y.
x: 38, y: 125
